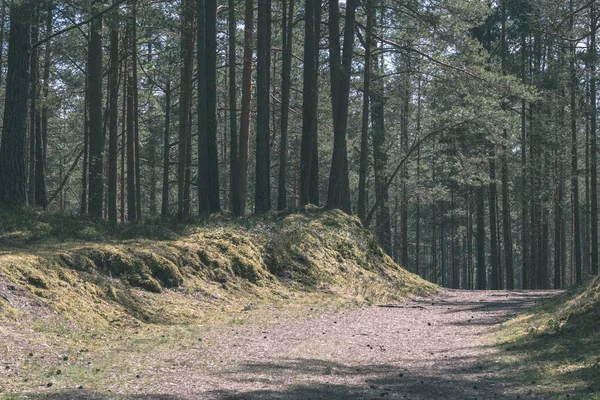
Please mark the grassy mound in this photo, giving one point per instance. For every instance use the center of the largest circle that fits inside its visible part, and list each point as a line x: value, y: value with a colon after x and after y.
x: 557, y: 345
x: 102, y: 275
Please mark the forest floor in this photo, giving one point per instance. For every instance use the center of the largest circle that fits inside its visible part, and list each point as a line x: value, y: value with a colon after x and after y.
x: 438, y: 346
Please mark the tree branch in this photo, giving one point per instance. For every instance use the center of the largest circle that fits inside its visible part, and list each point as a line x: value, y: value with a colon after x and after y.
x: 75, y: 26
x: 415, y: 146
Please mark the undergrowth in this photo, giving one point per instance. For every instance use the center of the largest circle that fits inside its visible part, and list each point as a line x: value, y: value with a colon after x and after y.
x: 556, y: 346
x: 103, y: 274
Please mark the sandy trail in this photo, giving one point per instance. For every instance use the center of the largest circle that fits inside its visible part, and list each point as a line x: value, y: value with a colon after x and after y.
x: 425, y: 348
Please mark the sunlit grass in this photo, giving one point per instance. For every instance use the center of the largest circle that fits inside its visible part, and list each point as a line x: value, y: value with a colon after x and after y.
x: 556, y: 346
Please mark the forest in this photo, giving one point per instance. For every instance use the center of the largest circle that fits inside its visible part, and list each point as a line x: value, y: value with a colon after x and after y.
x: 462, y: 133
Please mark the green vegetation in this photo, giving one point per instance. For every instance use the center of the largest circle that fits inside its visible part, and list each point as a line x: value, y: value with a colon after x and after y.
x: 556, y: 346
x: 97, y: 274
x: 69, y: 302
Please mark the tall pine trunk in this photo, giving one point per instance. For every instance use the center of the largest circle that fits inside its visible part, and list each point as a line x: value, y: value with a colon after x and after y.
x: 96, y: 188
x: 164, y: 211
x: 245, y: 105
x: 113, y: 125
x: 262, y: 191
x: 234, y: 169
x: 364, y: 137
x: 13, y: 152
x: 287, y: 31
x: 593, y: 149
x: 480, y: 240
x: 338, y: 194
x: 33, y: 104
x: 40, y: 181
x: 185, y: 94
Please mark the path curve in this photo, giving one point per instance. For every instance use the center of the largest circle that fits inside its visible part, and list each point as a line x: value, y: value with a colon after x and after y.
x: 423, y: 348
x: 426, y: 348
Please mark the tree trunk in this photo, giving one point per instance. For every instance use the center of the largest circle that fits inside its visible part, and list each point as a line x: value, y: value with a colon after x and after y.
x: 376, y: 93
x: 574, y: 161
x: 40, y: 182
x: 13, y: 151
x: 96, y: 189
x: 33, y: 104
x: 164, y: 211
x: 2, y: 31
x: 309, y: 101
x: 364, y: 137
x: 593, y: 149
x: 234, y: 168
x: 245, y: 105
x: 338, y: 194
x: 136, y: 116
x: 113, y: 126
x: 287, y: 30
x: 187, y: 51
x: 506, y: 220
x: 262, y: 193
x: 212, y: 158
x: 495, y: 278
x: 131, y: 203
x: 480, y: 240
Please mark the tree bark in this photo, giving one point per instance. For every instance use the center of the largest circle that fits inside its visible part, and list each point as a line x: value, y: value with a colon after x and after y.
x: 136, y: 115
x: 245, y: 105
x: 287, y: 27
x: 187, y: 51
x: 211, y: 107
x: 234, y: 168
x: 593, y: 149
x: 13, y: 152
x: 364, y: 137
x: 164, y: 211
x: 113, y: 126
x: 338, y: 194
x: 262, y: 192
x: 96, y: 188
x: 480, y: 240
x: 33, y: 105
x: 40, y: 183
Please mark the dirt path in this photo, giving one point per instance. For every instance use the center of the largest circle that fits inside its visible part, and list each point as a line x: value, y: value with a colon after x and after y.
x: 428, y: 348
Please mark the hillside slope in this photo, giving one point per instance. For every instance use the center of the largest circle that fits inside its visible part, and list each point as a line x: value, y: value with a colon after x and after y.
x: 556, y: 345
x: 102, y: 276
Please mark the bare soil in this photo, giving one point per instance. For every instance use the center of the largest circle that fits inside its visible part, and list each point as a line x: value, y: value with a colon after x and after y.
x: 434, y: 347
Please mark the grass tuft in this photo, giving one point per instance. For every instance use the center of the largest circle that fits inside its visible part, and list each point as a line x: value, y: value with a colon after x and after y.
x: 557, y: 345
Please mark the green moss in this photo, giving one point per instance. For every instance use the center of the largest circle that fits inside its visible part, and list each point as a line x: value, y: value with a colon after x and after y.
x: 225, y: 261
x: 37, y: 280
x: 558, y: 341
x: 162, y: 269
